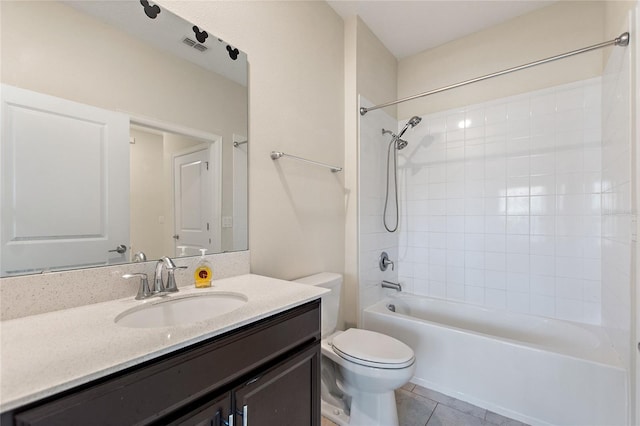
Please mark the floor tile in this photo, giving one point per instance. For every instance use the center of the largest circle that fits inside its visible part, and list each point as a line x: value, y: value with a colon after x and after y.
x: 447, y: 416
x: 419, y: 406
x: 499, y: 420
x: 413, y: 410
x: 327, y: 422
x: 465, y: 407
x: 409, y: 387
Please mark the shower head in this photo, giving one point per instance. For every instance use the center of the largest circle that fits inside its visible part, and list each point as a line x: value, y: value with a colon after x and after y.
x: 413, y: 122
x: 401, y: 143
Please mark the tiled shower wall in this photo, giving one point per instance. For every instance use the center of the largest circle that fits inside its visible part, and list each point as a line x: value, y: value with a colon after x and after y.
x: 372, y: 179
x: 501, y: 203
x: 617, y: 201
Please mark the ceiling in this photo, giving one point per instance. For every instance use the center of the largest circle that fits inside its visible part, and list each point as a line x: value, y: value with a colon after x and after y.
x: 410, y: 27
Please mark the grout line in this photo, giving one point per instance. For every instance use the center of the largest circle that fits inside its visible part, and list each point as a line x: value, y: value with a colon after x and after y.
x: 431, y: 415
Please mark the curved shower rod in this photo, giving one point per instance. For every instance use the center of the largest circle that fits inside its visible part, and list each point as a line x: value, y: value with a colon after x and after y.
x: 623, y: 40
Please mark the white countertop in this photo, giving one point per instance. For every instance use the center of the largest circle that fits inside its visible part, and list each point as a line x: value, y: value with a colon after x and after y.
x: 44, y: 354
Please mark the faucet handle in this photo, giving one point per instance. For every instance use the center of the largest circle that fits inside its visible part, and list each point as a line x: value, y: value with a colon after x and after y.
x: 143, y: 290
x: 384, y: 262
x: 171, y: 280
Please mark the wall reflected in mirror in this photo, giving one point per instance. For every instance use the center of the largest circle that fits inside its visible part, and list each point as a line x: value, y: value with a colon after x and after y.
x: 75, y: 187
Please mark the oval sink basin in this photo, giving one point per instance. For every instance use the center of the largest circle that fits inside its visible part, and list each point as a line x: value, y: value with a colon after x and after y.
x: 181, y: 310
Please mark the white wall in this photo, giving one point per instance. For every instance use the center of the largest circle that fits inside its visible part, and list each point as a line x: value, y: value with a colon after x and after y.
x: 296, y: 90
x: 555, y: 29
x: 147, y: 194
x: 240, y: 213
x: 501, y: 203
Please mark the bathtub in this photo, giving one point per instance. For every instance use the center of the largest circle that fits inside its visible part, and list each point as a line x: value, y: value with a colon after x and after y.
x: 537, y: 370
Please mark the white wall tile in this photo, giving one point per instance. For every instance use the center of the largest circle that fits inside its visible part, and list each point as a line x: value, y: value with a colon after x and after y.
x: 506, y: 210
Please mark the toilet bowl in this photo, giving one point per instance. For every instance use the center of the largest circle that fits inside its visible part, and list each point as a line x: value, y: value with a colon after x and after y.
x: 360, y: 368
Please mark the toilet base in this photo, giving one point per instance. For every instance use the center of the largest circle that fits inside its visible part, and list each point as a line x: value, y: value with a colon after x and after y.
x: 368, y: 410
x: 336, y: 415
x: 373, y: 409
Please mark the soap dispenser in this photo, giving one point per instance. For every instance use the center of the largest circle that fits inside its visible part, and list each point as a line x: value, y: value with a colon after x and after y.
x: 203, y: 274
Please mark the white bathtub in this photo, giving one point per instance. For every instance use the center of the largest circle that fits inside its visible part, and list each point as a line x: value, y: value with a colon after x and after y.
x: 536, y: 370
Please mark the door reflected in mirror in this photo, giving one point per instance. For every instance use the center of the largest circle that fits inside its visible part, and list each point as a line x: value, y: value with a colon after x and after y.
x: 75, y: 188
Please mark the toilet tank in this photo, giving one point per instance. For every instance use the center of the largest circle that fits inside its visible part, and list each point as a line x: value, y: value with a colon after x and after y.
x: 330, y: 301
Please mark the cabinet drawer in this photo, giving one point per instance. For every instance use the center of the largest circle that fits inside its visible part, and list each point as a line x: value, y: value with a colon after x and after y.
x: 148, y: 392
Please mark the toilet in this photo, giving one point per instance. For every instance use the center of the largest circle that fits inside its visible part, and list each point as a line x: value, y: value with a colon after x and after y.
x: 360, y: 368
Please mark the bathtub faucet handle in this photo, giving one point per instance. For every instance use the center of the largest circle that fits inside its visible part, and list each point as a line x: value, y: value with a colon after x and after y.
x: 385, y: 262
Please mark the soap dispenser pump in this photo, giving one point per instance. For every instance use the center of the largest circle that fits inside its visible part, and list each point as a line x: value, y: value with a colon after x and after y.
x: 203, y: 274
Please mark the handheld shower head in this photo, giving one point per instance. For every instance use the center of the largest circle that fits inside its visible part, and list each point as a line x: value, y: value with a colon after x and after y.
x: 413, y: 122
x: 395, y: 145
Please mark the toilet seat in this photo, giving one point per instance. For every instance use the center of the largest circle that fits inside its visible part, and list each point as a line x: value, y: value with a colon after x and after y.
x: 372, y: 349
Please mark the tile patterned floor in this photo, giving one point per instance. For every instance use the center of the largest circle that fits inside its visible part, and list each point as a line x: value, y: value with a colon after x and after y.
x: 418, y: 406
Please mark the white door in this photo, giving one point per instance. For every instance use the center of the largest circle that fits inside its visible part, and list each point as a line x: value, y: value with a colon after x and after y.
x: 194, y: 227
x: 64, y: 183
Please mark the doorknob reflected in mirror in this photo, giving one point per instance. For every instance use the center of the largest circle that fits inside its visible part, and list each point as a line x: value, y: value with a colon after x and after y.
x: 121, y: 249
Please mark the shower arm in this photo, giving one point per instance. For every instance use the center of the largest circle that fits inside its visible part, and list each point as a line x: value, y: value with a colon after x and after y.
x: 623, y: 40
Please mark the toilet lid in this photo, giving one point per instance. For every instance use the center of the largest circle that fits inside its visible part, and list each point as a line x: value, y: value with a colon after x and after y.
x: 373, y: 349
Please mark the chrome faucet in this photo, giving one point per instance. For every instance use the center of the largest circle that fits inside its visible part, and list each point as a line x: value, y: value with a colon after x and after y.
x: 158, y: 284
x: 143, y: 291
x: 389, y: 284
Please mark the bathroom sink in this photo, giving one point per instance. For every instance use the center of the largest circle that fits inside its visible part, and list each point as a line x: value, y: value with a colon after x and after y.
x: 181, y: 310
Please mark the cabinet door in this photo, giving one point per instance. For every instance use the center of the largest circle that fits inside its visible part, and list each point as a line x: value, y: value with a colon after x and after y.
x: 286, y: 395
x: 213, y: 413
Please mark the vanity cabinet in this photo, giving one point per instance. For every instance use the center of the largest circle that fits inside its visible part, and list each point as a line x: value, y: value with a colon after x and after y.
x: 265, y: 373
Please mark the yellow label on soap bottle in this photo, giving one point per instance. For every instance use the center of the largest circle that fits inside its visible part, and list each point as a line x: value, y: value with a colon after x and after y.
x: 202, y: 276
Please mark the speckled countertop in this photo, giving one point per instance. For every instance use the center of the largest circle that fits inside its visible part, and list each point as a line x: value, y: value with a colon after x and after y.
x: 41, y: 355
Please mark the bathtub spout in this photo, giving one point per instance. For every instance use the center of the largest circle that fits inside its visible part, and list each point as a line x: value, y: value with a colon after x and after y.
x: 389, y: 284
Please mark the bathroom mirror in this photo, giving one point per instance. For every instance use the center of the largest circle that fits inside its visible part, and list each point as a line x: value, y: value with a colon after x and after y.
x: 124, y: 132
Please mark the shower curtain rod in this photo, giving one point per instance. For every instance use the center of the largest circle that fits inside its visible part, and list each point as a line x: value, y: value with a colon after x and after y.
x: 623, y: 40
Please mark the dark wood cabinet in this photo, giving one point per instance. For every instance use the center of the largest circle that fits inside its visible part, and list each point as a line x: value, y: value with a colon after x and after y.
x: 262, y: 374
x: 283, y: 396
x: 214, y: 413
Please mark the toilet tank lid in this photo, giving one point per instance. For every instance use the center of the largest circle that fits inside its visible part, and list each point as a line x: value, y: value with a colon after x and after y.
x: 323, y: 278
